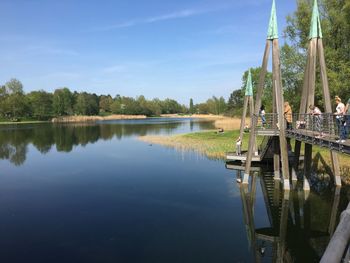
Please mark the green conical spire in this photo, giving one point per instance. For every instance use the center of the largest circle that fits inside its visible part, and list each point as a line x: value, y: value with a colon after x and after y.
x: 315, y: 28
x: 272, y: 33
x: 249, y: 85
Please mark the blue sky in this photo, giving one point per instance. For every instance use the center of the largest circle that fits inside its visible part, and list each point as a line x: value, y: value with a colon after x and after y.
x: 157, y: 48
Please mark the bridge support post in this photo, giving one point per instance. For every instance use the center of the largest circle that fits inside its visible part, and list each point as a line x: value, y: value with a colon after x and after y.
x: 276, y: 77
x: 254, y: 120
x: 308, y: 94
x: 328, y: 107
x: 276, y: 160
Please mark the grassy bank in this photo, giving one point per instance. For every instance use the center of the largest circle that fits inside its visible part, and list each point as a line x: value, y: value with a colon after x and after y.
x: 209, y: 143
x: 21, y: 122
x: 215, y: 146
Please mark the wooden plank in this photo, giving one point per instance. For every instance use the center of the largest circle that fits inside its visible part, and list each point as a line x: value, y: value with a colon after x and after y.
x: 256, y: 109
x: 328, y: 107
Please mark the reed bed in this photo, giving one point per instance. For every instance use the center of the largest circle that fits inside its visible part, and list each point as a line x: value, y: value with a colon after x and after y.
x: 97, y: 118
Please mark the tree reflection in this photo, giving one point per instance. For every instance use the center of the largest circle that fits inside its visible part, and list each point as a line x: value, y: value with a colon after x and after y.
x: 14, y: 139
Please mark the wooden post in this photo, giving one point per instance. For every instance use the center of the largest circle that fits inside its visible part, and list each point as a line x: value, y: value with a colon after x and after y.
x: 276, y: 159
x: 280, y: 104
x: 245, y: 107
x: 312, y: 74
x: 307, y: 160
x: 328, y: 108
x: 256, y: 111
x: 251, y: 112
x: 302, y: 108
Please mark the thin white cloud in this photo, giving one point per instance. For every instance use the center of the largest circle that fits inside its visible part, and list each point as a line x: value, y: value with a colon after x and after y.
x: 170, y: 16
x: 48, y: 50
x: 175, y: 15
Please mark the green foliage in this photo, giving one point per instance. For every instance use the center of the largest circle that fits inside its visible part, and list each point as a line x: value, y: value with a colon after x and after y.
x: 14, y: 86
x: 86, y: 104
x: 40, y: 103
x: 105, y: 103
x: 213, y: 105
x: 192, y: 109
x: 335, y: 22
x: 292, y: 67
x: 62, y: 102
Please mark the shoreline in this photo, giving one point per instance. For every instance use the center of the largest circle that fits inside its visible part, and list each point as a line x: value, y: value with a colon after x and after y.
x: 227, y: 123
x: 215, y: 146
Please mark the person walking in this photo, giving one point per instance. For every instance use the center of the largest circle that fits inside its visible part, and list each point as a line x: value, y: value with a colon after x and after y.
x: 317, y: 119
x: 340, y: 110
x: 288, y: 115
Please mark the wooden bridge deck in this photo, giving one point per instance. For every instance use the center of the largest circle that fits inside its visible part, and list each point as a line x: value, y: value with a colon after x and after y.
x: 308, y: 136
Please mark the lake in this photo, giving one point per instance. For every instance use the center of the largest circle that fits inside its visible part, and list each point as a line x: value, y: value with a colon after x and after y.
x: 95, y: 193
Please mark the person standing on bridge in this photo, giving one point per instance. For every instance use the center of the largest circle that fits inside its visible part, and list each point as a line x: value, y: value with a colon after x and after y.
x: 262, y: 116
x: 340, y: 110
x: 288, y: 118
x: 347, y: 119
x: 317, y: 118
x: 288, y: 115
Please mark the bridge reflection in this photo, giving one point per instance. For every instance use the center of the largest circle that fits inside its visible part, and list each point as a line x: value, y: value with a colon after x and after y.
x: 299, y: 224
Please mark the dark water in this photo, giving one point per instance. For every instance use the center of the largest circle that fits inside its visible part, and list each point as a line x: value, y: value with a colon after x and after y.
x: 94, y: 193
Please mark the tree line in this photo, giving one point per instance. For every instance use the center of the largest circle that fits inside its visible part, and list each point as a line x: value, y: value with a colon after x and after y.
x: 15, y: 104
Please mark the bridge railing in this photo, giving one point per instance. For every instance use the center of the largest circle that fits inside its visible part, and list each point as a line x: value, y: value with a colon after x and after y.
x: 323, y: 125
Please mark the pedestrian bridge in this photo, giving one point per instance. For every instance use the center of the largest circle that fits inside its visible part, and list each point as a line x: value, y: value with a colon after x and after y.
x: 319, y: 130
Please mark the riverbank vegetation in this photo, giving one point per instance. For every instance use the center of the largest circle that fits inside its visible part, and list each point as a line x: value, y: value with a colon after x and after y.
x: 16, y: 105
x: 215, y: 146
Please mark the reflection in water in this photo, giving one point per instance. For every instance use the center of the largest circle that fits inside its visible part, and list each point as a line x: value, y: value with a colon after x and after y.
x: 14, y: 140
x: 299, y: 227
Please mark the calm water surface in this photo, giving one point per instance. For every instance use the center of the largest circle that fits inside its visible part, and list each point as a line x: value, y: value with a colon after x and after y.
x: 95, y: 193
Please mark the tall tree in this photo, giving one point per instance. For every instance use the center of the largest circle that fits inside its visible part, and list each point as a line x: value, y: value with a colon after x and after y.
x: 15, y: 104
x: 63, y: 102
x: 192, y: 110
x: 40, y: 104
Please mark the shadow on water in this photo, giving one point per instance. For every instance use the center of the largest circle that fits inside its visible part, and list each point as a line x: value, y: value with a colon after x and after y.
x: 299, y: 225
x: 14, y: 139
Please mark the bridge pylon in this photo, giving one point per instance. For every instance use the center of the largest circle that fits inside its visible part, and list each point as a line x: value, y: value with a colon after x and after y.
x: 280, y: 149
x: 248, y: 104
x: 315, y: 51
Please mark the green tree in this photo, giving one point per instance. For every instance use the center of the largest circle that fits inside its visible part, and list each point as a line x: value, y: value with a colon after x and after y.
x: 40, y: 104
x: 62, y: 102
x: 86, y: 104
x: 15, y: 104
x: 335, y: 18
x: 105, y: 103
x: 192, y: 110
